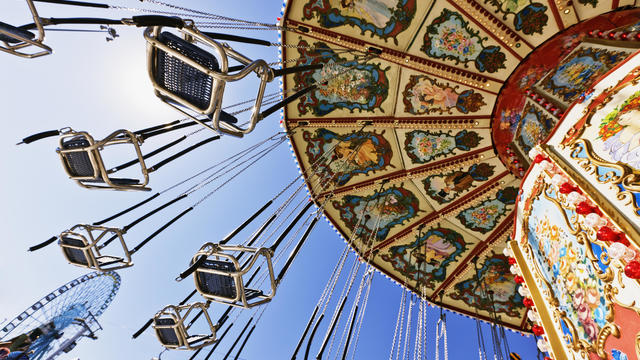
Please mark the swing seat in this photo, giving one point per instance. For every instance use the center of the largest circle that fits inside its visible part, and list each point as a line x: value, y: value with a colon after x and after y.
x: 12, y: 35
x: 84, y: 251
x: 192, y: 80
x: 220, y: 277
x: 14, y: 39
x: 223, y: 286
x: 172, y: 332
x: 180, y: 78
x: 83, y: 162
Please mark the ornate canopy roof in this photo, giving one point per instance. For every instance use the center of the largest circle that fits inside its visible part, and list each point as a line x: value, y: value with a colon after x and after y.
x: 417, y: 152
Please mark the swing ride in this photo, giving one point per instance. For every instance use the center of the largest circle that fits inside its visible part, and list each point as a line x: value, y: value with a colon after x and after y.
x: 54, y: 324
x: 412, y: 142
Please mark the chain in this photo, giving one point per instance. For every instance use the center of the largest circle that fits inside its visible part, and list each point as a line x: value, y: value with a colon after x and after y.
x: 210, y: 15
x: 265, y: 152
x: 408, y: 330
x: 398, y: 320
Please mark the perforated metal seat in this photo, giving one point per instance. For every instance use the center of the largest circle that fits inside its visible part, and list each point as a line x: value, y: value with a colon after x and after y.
x: 21, y: 42
x: 181, y: 78
x: 219, y: 277
x: 192, y: 80
x: 223, y: 286
x: 171, y: 331
x: 167, y: 335
x: 13, y: 35
x: 82, y: 160
x: 81, y: 246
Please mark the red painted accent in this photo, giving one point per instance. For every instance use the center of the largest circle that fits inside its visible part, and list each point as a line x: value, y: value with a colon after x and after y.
x: 556, y: 15
x: 632, y: 269
x: 537, y: 330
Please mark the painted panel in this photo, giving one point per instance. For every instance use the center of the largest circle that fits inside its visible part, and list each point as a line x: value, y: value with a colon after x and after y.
x: 533, y: 20
x: 603, y: 141
x: 347, y: 85
x: 446, y: 186
x: 587, y: 9
x: 425, y: 258
x: 578, y: 281
x: 512, y: 98
x: 424, y: 146
x: 428, y: 95
x: 494, y: 276
x: 579, y: 70
x: 451, y: 38
x: 534, y: 126
x: 340, y: 157
x: 390, y: 23
x: 370, y: 216
x: 483, y: 215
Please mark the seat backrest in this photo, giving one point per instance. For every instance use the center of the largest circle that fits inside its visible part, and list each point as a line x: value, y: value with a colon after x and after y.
x: 167, y: 336
x: 14, y: 31
x: 78, y: 163
x: 76, y: 256
x: 182, y: 79
x: 217, y: 284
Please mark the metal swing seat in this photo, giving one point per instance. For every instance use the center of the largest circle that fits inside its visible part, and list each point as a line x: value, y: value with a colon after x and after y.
x: 16, y: 40
x: 219, y: 275
x: 81, y: 158
x: 81, y: 246
x: 192, y: 80
x: 171, y: 331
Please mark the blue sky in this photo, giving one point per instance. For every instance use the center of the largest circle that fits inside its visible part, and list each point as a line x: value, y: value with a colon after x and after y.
x: 98, y: 86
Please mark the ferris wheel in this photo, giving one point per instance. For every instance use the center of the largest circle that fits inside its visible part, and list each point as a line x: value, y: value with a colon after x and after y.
x: 54, y: 324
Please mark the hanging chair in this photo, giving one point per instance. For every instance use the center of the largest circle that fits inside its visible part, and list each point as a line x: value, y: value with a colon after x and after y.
x: 82, y: 245
x: 82, y: 160
x: 186, y: 76
x: 219, y: 276
x: 173, y: 333
x: 17, y: 40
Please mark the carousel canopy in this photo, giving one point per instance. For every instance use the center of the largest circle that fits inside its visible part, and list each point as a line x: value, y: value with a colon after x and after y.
x: 416, y: 140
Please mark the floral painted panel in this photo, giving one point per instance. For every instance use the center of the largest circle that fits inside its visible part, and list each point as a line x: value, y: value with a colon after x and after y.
x: 425, y: 259
x: 425, y: 95
x: 534, y: 127
x: 619, y: 133
x: 494, y: 275
x: 377, y: 213
x: 579, y: 70
x: 450, y: 37
x: 604, y: 141
x: 344, y: 84
x: 567, y: 270
x: 444, y: 188
x: 423, y: 146
x: 484, y: 217
x: 530, y: 17
x: 337, y: 158
x: 382, y: 18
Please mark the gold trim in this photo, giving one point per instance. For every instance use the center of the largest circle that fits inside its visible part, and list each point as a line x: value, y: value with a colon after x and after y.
x: 612, y: 213
x: 557, y: 348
